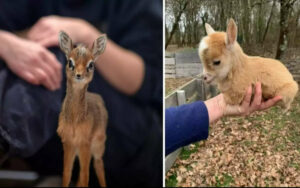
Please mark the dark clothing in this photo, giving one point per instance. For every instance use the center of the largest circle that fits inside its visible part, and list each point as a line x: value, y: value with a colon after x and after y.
x: 186, y: 124
x: 29, y: 114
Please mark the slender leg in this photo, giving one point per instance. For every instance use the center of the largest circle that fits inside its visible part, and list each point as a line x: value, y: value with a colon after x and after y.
x: 99, y: 167
x: 69, y: 156
x: 84, y: 159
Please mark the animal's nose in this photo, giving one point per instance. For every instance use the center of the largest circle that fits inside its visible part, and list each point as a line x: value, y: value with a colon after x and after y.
x: 78, y: 76
x: 204, y: 77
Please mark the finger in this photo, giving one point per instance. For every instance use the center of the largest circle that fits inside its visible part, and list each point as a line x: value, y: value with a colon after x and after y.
x: 247, y: 98
x: 29, y: 77
x: 38, y: 27
x: 55, y: 64
x: 270, y: 102
x: 257, y: 97
x: 40, y: 35
x: 50, y: 73
x: 44, y: 79
x: 35, y: 30
x: 51, y: 67
x: 49, y: 41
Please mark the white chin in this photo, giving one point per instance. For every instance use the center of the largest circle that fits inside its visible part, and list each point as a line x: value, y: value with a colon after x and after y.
x: 79, y: 80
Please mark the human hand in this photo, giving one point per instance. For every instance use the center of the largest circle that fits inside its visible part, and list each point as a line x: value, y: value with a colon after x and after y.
x: 31, y: 61
x: 45, y: 31
x: 217, y: 106
x: 247, y: 107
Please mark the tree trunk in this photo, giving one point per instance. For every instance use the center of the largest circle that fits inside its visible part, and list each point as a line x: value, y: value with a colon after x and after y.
x: 260, y: 22
x: 269, y: 21
x: 222, y: 16
x: 175, y: 26
x: 293, y: 35
x: 246, y: 17
x: 282, y: 41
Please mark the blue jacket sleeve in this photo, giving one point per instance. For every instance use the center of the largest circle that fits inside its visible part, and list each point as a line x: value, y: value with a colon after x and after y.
x: 185, y: 124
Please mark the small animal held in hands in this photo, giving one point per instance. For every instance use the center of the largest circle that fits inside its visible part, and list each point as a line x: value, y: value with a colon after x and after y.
x: 83, y: 116
x: 225, y: 64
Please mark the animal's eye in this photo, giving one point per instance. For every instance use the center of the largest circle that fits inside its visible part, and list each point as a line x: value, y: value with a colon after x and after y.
x: 90, y: 66
x: 71, y: 65
x: 217, y: 62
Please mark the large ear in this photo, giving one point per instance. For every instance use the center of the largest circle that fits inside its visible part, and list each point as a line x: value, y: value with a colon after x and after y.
x: 231, y: 33
x: 209, y: 29
x: 99, y: 46
x: 65, y: 42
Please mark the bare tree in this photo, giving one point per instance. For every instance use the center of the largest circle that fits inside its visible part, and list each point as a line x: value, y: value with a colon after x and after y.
x: 269, y: 21
x: 259, y: 22
x: 182, y: 4
x: 285, y: 7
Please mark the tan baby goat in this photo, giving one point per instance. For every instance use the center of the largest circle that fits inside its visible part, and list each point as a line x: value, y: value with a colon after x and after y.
x: 226, y: 65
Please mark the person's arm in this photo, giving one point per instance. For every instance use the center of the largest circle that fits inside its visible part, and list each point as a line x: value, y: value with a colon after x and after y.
x: 189, y: 123
x: 185, y: 124
x: 122, y: 68
x: 133, y: 62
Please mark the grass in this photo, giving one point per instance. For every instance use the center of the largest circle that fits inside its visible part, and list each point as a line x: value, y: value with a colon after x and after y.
x: 224, y: 181
x: 187, y: 151
x: 171, y: 181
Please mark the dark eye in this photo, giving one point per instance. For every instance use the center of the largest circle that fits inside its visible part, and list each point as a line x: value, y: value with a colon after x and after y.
x: 90, y: 67
x: 71, y: 65
x: 217, y: 62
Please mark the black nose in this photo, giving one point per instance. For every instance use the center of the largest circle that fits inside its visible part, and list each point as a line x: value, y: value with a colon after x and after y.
x: 78, y: 76
x: 204, y: 77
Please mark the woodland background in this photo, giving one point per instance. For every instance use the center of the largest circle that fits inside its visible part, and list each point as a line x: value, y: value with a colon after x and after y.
x: 269, y: 25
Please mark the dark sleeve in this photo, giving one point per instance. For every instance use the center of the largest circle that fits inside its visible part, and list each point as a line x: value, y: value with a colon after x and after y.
x: 16, y: 15
x: 137, y: 26
x: 185, y: 124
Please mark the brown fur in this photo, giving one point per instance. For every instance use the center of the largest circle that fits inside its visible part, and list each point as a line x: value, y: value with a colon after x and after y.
x: 82, y: 120
x: 237, y: 71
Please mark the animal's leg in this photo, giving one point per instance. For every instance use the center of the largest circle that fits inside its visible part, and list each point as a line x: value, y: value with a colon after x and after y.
x: 98, y: 151
x: 69, y: 156
x: 288, y: 93
x: 287, y: 106
x: 99, y: 167
x: 84, y: 160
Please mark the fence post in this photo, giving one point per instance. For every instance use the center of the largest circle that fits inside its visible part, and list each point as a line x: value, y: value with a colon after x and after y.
x: 170, y: 159
x: 181, y: 99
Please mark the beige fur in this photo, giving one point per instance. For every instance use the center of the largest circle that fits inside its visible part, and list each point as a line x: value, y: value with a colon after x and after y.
x: 237, y: 71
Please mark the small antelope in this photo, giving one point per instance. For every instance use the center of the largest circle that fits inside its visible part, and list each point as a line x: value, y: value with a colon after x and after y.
x: 83, y: 116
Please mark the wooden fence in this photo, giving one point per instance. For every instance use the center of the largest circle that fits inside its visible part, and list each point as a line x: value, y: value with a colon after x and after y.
x: 182, y: 64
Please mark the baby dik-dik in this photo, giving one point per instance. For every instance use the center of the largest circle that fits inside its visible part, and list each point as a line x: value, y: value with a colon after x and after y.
x: 83, y: 117
x: 226, y: 65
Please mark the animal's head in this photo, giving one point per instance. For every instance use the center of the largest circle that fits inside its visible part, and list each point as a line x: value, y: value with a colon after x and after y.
x: 216, y: 51
x: 81, y: 60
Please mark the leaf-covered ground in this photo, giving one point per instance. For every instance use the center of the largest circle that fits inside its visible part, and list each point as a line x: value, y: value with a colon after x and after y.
x: 262, y: 149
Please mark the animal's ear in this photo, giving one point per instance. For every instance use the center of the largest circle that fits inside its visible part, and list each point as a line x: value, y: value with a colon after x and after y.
x: 65, y: 42
x: 231, y: 33
x: 99, y: 46
x: 209, y: 29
